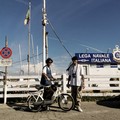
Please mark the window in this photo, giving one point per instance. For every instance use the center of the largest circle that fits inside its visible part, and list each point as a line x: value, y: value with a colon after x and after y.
x: 99, y: 65
x: 113, y: 65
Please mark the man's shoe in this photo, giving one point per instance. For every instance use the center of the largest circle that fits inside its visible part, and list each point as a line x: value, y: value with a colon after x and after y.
x: 79, y: 109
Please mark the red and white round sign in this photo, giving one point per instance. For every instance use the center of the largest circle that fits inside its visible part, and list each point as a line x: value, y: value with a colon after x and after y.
x: 6, y: 52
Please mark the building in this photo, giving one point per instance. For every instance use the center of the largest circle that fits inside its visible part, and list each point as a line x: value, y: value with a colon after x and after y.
x: 106, y: 66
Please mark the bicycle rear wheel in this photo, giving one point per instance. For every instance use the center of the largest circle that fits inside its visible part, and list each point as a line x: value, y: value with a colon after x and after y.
x: 66, y: 102
x: 31, y: 103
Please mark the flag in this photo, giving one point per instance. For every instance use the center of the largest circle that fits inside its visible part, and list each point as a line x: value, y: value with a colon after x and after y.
x: 27, y: 18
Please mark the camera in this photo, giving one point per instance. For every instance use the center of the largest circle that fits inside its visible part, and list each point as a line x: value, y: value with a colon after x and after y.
x: 74, y: 75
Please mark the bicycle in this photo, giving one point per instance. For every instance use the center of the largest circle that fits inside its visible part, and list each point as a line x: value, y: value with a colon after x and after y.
x: 36, y: 102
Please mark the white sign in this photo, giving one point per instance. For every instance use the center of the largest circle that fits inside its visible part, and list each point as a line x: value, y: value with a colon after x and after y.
x: 116, y: 54
x: 5, y: 62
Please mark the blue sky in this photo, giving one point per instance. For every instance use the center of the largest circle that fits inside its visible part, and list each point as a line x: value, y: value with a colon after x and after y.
x: 80, y: 24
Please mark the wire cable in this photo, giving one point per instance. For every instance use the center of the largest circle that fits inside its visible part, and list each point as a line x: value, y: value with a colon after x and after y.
x: 26, y: 59
x: 59, y: 38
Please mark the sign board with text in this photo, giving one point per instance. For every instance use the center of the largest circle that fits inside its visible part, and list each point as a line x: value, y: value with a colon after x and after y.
x: 91, y: 58
x: 5, y: 62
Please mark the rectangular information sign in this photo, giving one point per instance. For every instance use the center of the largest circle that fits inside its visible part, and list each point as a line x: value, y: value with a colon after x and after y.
x: 91, y: 58
x: 5, y: 62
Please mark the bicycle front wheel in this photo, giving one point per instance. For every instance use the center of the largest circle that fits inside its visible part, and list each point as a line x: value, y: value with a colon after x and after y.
x: 66, y: 102
x: 31, y: 103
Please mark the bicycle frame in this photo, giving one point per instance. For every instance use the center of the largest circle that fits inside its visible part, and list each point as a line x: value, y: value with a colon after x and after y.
x: 36, y: 95
x: 39, y: 94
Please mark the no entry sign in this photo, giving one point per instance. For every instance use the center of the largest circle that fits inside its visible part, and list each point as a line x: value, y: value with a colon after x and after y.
x: 6, y: 52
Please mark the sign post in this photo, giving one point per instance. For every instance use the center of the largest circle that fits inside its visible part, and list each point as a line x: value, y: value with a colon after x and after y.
x: 5, y: 77
x: 5, y: 54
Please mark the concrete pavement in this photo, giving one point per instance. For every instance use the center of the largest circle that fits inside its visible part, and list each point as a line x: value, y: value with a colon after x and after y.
x: 91, y: 111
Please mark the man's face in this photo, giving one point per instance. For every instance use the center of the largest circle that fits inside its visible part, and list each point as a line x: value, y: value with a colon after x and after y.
x: 49, y: 63
x: 75, y: 62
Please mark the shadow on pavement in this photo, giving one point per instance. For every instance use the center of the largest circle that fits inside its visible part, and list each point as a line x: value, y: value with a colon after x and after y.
x: 19, y: 107
x: 113, y: 102
x: 24, y: 107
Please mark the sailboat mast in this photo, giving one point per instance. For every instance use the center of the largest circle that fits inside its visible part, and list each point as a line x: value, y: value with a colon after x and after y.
x: 29, y: 38
x: 33, y: 55
x: 20, y: 59
x: 37, y: 56
x: 44, y: 23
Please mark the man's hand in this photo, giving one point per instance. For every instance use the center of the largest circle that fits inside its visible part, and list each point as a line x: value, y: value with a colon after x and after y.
x: 48, y: 78
x: 83, y: 86
x: 53, y: 79
x: 68, y: 85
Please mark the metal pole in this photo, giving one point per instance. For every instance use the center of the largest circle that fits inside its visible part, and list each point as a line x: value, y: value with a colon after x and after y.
x: 37, y: 56
x: 29, y: 38
x: 33, y: 55
x: 5, y: 76
x: 44, y: 22
x: 20, y: 59
x: 46, y: 44
x: 37, y: 60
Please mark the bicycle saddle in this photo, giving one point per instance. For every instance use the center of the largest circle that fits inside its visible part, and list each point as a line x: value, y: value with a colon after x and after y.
x: 38, y: 87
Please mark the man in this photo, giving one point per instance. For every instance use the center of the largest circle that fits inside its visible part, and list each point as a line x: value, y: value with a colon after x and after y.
x: 76, y: 81
x: 46, y: 80
x: 46, y: 73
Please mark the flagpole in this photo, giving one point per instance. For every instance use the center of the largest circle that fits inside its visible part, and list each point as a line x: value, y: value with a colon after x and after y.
x: 44, y: 22
x: 33, y: 55
x: 29, y: 38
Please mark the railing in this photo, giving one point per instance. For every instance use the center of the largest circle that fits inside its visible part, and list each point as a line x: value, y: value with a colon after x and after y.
x: 95, y: 85
x: 20, y: 86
